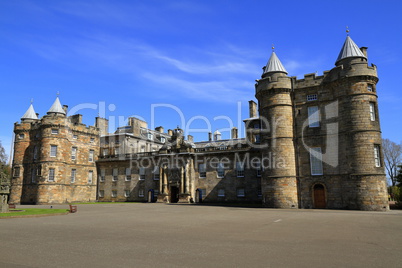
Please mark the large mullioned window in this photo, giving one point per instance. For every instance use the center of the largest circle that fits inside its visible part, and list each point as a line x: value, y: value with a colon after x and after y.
x: 313, y: 116
x: 316, y: 161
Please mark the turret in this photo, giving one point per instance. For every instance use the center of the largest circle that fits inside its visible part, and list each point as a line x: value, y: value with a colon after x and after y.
x: 359, y: 128
x: 273, y: 91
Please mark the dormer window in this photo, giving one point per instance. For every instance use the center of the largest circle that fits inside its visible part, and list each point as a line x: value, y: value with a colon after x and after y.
x: 163, y: 140
x: 150, y: 136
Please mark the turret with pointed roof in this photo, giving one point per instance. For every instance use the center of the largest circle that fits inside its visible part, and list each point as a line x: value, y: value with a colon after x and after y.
x: 349, y: 50
x: 274, y: 65
x: 56, y: 108
x: 30, y: 114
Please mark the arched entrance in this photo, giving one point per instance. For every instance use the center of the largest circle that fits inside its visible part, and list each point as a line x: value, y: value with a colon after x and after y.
x: 150, y: 196
x: 319, y: 196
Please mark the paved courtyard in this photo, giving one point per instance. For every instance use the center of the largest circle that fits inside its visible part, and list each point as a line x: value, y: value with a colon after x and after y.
x: 161, y: 235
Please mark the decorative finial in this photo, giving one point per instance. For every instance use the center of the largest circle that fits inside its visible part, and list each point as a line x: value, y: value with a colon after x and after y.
x: 273, y: 48
x: 58, y: 93
x: 31, y: 100
x: 347, y: 30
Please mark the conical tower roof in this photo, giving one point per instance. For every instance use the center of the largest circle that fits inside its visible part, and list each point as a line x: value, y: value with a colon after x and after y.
x: 350, y: 50
x: 274, y: 65
x: 56, y: 107
x: 30, y: 113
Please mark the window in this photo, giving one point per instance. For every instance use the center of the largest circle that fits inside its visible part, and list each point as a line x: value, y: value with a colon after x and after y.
x: 163, y: 140
x: 105, y: 152
x: 220, y: 170
x: 141, y: 193
x: 102, y: 175
x: 90, y: 176
x: 156, y: 173
x: 202, y: 170
x: 259, y: 169
x: 74, y: 153
x: 240, y: 192
x: 370, y: 88
x: 114, y: 193
x: 101, y: 193
x: 39, y: 171
x: 257, y: 138
x: 150, y: 136
x: 142, y: 148
x: 51, y: 174
x: 55, y: 131
x: 116, y: 151
x: 142, y: 173
x: 221, y: 192
x: 91, y: 156
x: 92, y: 140
x: 35, y: 152
x: 316, y: 161
x: 377, y: 156
x: 127, y: 193
x: 33, y: 175
x: 75, y: 137
x: 239, y: 169
x: 313, y: 116
x: 53, y: 150
x: 115, y: 174
x: 128, y: 174
x: 372, y: 111
x: 73, y: 174
x: 21, y: 136
x: 312, y: 97
x: 16, y: 172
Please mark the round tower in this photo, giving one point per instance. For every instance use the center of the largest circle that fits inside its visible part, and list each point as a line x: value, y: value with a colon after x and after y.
x: 273, y: 91
x: 21, y: 168
x: 354, y: 84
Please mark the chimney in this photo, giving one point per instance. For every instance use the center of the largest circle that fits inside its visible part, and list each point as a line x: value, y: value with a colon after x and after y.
x: 159, y: 129
x: 76, y: 119
x: 170, y: 132
x: 364, y: 51
x: 210, y: 136
x: 252, y: 109
x: 234, y: 133
x: 65, y: 108
x: 190, y: 138
x: 217, y: 135
x: 103, y: 125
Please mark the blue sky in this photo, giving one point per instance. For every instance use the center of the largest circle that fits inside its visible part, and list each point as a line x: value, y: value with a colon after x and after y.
x: 191, y: 60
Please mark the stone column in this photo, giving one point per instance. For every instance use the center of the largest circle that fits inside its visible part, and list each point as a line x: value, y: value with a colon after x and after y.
x: 182, y: 180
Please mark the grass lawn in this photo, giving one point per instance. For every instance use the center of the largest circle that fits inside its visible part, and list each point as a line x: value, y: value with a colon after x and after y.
x: 95, y: 203
x: 32, y: 211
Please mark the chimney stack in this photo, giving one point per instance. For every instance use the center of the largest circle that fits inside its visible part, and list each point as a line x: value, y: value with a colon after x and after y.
x: 252, y: 109
x: 234, y: 133
x: 209, y: 136
x: 65, y: 108
x: 159, y: 129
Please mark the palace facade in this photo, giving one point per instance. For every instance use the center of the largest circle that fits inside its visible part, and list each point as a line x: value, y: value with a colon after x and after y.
x: 310, y: 143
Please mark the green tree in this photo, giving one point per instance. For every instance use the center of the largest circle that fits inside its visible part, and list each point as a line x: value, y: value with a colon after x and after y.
x: 4, y: 169
x: 392, y: 158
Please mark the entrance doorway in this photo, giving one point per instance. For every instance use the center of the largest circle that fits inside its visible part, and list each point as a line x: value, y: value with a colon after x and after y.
x: 319, y: 196
x: 174, y: 194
